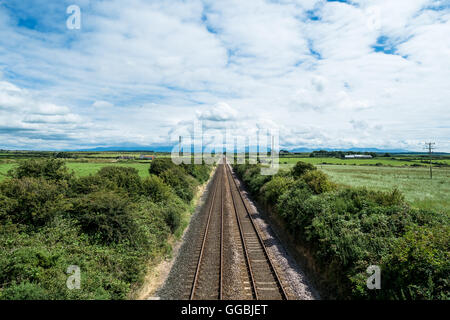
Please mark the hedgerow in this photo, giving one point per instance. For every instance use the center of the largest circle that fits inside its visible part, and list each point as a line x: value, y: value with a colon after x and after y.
x: 348, y: 229
x: 109, y: 224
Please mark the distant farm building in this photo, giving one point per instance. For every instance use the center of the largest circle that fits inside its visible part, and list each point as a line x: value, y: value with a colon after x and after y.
x: 146, y: 157
x: 358, y: 156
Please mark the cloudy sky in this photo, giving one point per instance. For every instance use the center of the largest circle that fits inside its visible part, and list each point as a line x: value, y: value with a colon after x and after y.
x: 336, y: 74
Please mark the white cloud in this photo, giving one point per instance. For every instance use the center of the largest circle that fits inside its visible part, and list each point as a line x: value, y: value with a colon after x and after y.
x: 219, y: 112
x: 102, y: 104
x: 234, y: 62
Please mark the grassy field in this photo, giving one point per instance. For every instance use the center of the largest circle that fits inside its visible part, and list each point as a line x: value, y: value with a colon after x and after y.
x: 415, y: 183
x: 87, y: 168
x: 4, y: 168
x: 375, y: 161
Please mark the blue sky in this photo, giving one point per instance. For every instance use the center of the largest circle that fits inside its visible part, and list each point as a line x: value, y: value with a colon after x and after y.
x: 335, y: 74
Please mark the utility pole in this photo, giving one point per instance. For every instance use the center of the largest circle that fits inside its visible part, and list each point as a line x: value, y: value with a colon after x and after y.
x: 179, y: 145
x: 430, y: 147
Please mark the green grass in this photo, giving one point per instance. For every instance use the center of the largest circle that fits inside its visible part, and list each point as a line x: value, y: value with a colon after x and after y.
x: 374, y: 161
x: 425, y: 162
x: 4, y: 168
x: 86, y: 168
x: 415, y: 183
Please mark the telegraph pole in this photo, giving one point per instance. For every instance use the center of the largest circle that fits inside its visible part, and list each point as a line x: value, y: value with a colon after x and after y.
x: 430, y: 147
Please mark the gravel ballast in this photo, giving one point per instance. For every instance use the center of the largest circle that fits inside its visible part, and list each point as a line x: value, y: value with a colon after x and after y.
x: 235, y: 283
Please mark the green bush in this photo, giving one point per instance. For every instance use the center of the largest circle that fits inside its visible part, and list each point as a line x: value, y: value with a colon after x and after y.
x: 24, y: 291
x: 105, y: 216
x: 50, y: 169
x: 173, y: 210
x: 294, y: 208
x: 91, y: 183
x: 125, y: 178
x: 159, y: 165
x: 300, y: 168
x: 253, y: 179
x: 347, y: 229
x: 419, y: 266
x: 109, y: 224
x: 318, y: 181
x: 273, y: 189
x: 240, y: 169
x: 7, y: 206
x: 32, y: 201
x: 155, y: 189
x: 199, y: 172
x: 34, y: 264
x: 182, y: 184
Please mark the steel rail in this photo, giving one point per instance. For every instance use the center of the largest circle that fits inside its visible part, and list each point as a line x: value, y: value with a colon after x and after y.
x: 216, y: 184
x: 221, y: 240
x: 244, y: 245
x: 277, y: 278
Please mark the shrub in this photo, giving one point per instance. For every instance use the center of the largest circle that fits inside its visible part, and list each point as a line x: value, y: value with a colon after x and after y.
x: 347, y: 229
x: 199, y: 172
x: 419, y: 265
x: 318, y: 181
x: 24, y: 291
x: 110, y: 224
x: 240, y: 169
x: 91, y: 183
x: 182, y: 184
x: 7, y: 206
x: 153, y: 227
x: 173, y: 210
x: 105, y: 216
x: 155, y: 189
x: 292, y: 206
x: 41, y: 259
x: 159, y: 165
x: 32, y: 201
x: 253, y: 179
x: 273, y: 189
x: 51, y: 169
x: 301, y: 168
x: 123, y: 177
x: 362, y: 197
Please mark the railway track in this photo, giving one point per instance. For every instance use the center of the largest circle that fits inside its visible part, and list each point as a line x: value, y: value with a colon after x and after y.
x: 261, y: 278
x: 207, y: 282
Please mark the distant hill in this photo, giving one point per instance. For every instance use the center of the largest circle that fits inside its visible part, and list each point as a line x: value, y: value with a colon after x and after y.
x: 163, y: 148
x: 128, y: 149
x: 353, y: 149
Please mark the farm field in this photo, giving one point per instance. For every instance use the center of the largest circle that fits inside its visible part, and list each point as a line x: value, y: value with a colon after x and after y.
x: 4, y: 168
x: 397, y: 162
x: 415, y: 183
x: 86, y: 168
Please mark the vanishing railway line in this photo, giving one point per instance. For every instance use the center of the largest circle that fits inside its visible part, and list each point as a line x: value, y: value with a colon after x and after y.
x: 261, y: 279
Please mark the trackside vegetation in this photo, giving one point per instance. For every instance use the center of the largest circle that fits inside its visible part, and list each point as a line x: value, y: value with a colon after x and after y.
x: 111, y: 224
x: 343, y: 230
